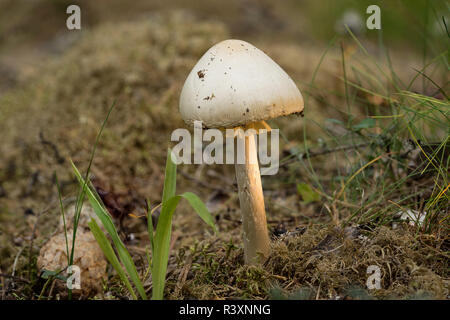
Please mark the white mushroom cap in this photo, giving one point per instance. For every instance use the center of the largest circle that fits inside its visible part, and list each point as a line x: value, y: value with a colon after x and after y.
x: 235, y: 83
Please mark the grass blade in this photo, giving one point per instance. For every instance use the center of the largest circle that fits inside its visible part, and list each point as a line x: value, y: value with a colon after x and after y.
x: 164, y: 229
x: 81, y: 193
x: 109, y: 253
x: 161, y: 241
x: 106, y: 220
x: 150, y: 225
x: 200, y: 208
x: 162, y: 246
x: 63, y: 214
x: 170, y: 179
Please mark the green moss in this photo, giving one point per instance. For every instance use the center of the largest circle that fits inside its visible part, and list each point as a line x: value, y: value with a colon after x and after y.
x: 324, y: 263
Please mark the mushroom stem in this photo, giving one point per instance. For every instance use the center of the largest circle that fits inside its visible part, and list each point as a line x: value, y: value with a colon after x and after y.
x: 256, y: 238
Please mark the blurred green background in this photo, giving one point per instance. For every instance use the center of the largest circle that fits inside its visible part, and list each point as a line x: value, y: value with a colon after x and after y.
x: 404, y: 22
x: 31, y: 30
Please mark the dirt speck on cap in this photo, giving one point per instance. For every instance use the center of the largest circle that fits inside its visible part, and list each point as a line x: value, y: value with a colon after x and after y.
x: 201, y: 74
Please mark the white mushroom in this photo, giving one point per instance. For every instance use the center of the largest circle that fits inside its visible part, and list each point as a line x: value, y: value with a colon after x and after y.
x: 236, y: 84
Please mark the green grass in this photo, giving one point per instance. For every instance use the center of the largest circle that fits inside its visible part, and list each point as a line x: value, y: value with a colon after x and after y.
x: 79, y: 203
x: 160, y: 239
x: 416, y: 23
x: 120, y: 258
x: 372, y: 177
x: 104, y: 216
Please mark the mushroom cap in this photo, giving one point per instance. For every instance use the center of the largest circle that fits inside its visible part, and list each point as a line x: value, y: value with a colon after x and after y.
x: 234, y: 83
